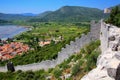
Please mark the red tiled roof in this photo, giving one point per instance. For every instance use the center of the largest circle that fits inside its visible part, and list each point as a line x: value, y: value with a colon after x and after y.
x: 7, y: 49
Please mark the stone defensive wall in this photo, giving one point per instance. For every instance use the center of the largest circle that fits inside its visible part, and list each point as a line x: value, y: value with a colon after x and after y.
x: 108, y: 62
x: 65, y: 53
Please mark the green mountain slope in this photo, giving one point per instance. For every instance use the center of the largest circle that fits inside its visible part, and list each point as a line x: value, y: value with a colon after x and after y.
x: 64, y: 14
x: 39, y: 17
x: 73, y: 13
x: 4, y: 21
x: 13, y: 17
x: 24, y: 16
x: 44, y: 13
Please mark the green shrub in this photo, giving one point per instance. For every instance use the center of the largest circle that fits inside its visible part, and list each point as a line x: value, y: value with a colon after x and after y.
x: 77, y: 57
x: 64, y: 65
x: 114, y: 16
x: 69, y: 78
x: 50, y: 70
x: 75, y: 69
x: 57, y: 73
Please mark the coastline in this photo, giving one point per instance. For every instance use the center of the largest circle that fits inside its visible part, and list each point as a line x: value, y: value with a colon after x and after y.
x: 11, y: 32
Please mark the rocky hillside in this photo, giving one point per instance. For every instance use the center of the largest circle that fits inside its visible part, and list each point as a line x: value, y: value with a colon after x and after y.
x: 108, y: 61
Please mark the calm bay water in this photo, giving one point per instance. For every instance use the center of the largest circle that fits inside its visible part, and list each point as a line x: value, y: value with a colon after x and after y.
x: 9, y: 31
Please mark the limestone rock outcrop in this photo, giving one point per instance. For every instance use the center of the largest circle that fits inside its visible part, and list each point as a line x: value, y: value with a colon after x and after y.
x: 111, y: 38
x: 108, y: 62
x: 117, y: 77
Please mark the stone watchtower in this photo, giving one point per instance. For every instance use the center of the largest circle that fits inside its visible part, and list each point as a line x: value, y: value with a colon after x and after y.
x: 95, y: 29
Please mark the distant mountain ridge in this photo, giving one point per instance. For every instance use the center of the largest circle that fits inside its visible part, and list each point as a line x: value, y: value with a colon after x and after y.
x: 44, y: 13
x: 28, y: 14
x: 72, y: 14
x: 64, y: 14
x: 23, y: 16
x: 13, y: 17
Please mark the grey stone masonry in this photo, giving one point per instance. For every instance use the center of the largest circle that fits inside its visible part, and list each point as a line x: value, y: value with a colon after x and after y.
x: 64, y: 54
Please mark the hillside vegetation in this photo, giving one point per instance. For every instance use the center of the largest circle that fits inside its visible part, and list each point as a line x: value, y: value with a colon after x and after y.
x: 114, y: 16
x: 47, y: 32
x: 77, y: 65
x: 64, y: 14
x: 4, y: 21
x: 71, y: 14
x: 12, y: 17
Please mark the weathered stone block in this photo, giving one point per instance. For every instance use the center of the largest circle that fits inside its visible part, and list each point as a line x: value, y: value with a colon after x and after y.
x: 117, y: 56
x: 111, y: 72
x: 114, y: 48
x: 118, y: 73
x: 118, y: 48
x: 111, y: 38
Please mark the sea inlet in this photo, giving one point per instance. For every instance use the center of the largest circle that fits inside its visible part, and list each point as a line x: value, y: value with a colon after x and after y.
x: 9, y: 31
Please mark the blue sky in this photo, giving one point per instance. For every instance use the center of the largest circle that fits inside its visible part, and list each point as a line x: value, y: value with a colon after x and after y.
x: 39, y: 6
